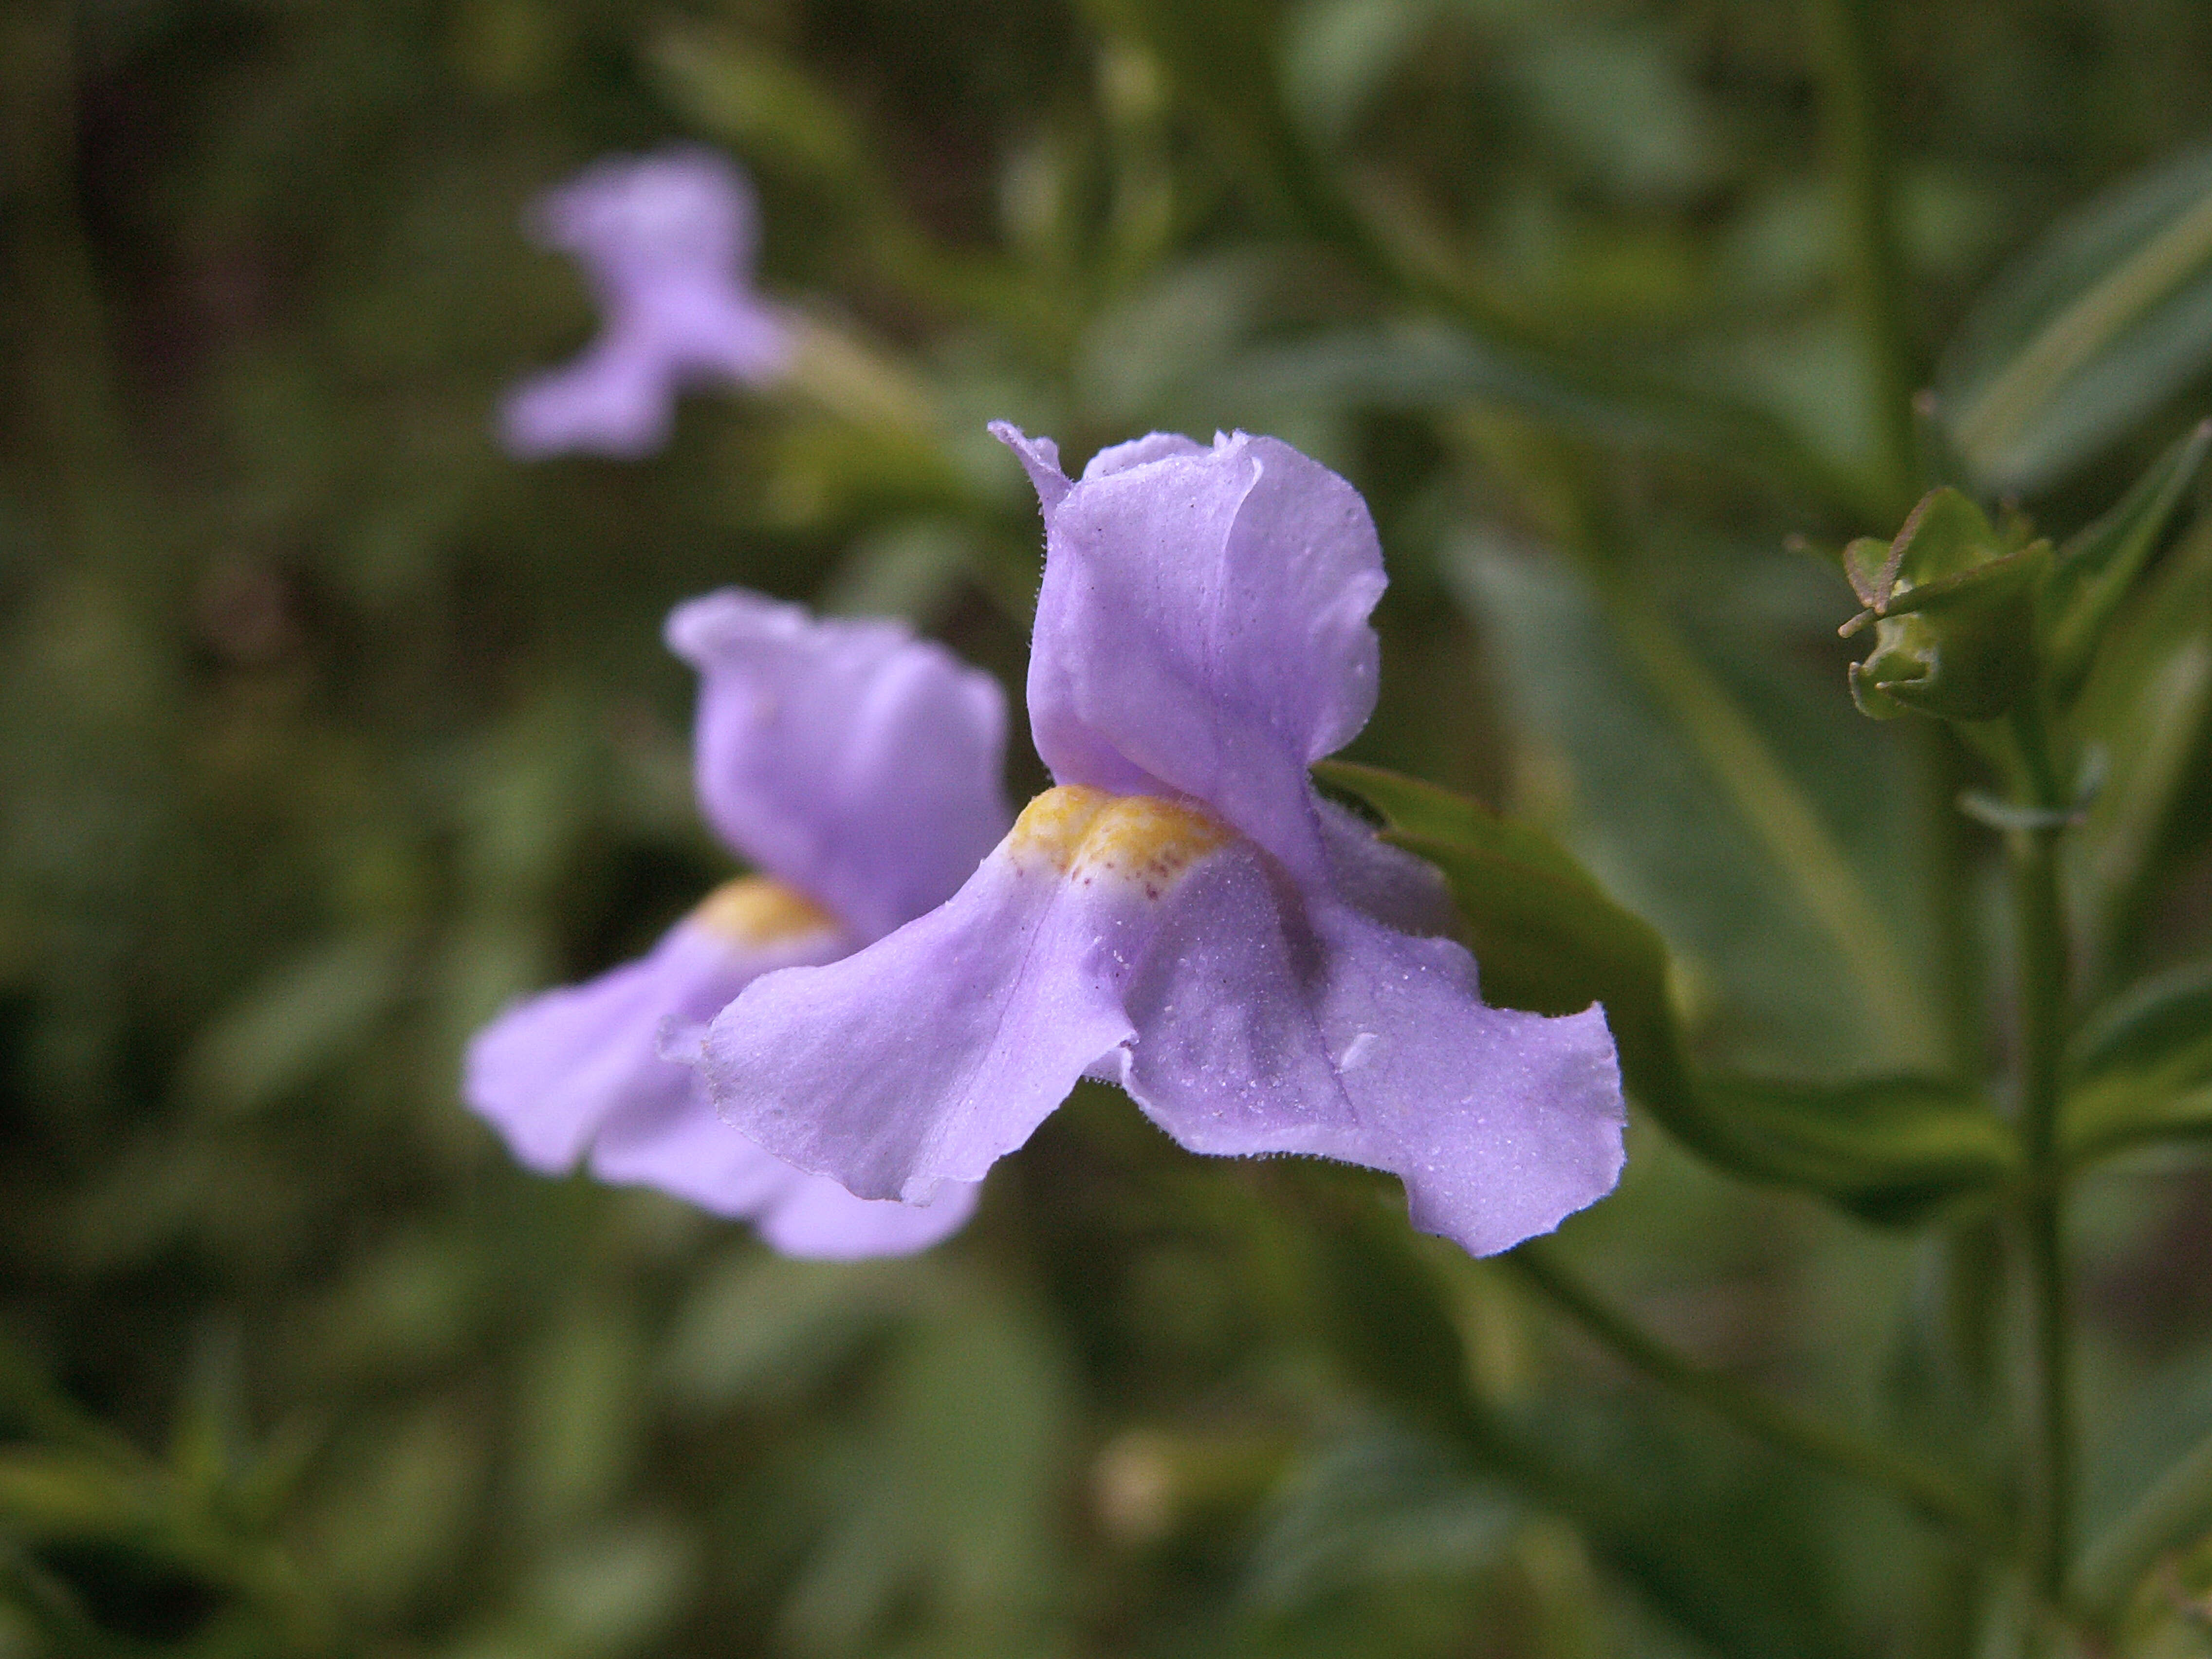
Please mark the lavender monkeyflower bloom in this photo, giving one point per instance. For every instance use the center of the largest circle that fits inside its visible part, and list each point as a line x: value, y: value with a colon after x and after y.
x: 668, y: 241
x: 1182, y: 914
x: 859, y: 768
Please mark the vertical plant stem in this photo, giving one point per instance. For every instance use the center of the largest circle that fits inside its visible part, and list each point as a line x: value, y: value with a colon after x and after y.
x: 1846, y: 37
x: 2040, y: 948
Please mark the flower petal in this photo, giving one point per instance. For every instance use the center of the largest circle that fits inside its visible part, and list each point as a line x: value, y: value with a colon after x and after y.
x: 848, y: 758
x: 934, y: 1051
x: 1397, y: 888
x: 687, y: 1151
x: 682, y: 209
x: 819, y: 1220
x: 1202, y: 627
x: 556, y: 1069
x: 613, y: 400
x: 1501, y: 1124
x: 1267, y: 1024
x: 937, y: 1050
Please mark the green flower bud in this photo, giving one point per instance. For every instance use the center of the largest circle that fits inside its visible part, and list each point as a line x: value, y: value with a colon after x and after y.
x: 1952, y: 603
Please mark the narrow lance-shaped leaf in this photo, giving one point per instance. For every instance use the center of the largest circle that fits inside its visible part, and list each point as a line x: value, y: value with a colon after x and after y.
x: 2097, y: 568
x: 2109, y: 315
x: 2146, y: 708
x: 2141, y: 1068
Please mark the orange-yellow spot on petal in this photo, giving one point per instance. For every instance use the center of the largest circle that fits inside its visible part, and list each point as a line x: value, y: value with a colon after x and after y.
x: 755, y: 912
x: 1084, y: 834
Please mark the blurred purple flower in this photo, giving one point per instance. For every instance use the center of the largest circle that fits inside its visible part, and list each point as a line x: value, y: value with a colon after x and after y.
x: 859, y: 768
x: 1182, y: 914
x: 669, y: 242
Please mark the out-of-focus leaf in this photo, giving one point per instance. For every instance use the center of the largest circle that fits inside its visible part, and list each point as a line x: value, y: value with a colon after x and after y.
x: 1549, y: 939
x: 958, y: 1476
x: 2141, y: 1066
x: 616, y: 1590
x: 1432, y: 366
x: 1889, y: 1150
x: 395, y: 1504
x: 757, y: 1326
x: 305, y: 1017
x: 1376, y: 1508
x: 2169, y: 1514
x: 1337, y: 54
x: 2147, y: 710
x: 763, y: 102
x: 2110, y: 315
x: 1718, y: 785
x: 580, y: 1414
x: 1381, y: 1314
x: 2096, y: 569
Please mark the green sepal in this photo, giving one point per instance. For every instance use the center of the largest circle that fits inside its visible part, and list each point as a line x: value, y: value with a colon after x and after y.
x: 1550, y: 940
x: 2097, y: 568
x: 1953, y: 604
x: 2139, y: 1069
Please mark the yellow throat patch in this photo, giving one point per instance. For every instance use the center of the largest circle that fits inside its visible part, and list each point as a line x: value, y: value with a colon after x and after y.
x: 1084, y: 834
x: 756, y: 912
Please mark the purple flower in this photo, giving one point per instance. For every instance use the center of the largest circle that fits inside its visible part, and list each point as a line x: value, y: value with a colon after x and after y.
x: 859, y: 768
x: 1182, y: 914
x: 668, y: 241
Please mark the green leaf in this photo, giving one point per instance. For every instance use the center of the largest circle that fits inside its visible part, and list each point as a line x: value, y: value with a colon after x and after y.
x: 1708, y: 771
x: 2108, y: 316
x: 1432, y: 366
x: 2097, y: 569
x: 1549, y: 940
x: 1376, y: 1509
x: 2146, y: 709
x: 304, y: 1017
x: 2141, y: 1068
x: 1889, y: 1150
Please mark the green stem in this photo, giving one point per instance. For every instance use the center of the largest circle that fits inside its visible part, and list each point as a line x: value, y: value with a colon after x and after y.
x: 1874, y: 264
x: 1950, y: 893
x: 2040, y: 946
x: 1931, y: 1492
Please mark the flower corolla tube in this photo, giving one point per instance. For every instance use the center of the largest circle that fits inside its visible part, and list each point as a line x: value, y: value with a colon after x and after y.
x: 857, y: 768
x: 668, y: 242
x: 1182, y: 914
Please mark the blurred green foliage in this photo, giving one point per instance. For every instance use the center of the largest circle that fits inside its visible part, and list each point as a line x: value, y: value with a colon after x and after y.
x: 326, y: 729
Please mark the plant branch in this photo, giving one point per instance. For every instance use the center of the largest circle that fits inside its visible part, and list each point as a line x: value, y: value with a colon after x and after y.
x: 1928, y: 1492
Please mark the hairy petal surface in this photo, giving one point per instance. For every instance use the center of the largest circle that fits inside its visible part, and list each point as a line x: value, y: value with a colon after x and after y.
x: 1500, y: 1123
x: 850, y: 760
x: 1202, y: 627
x: 1269, y: 1023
